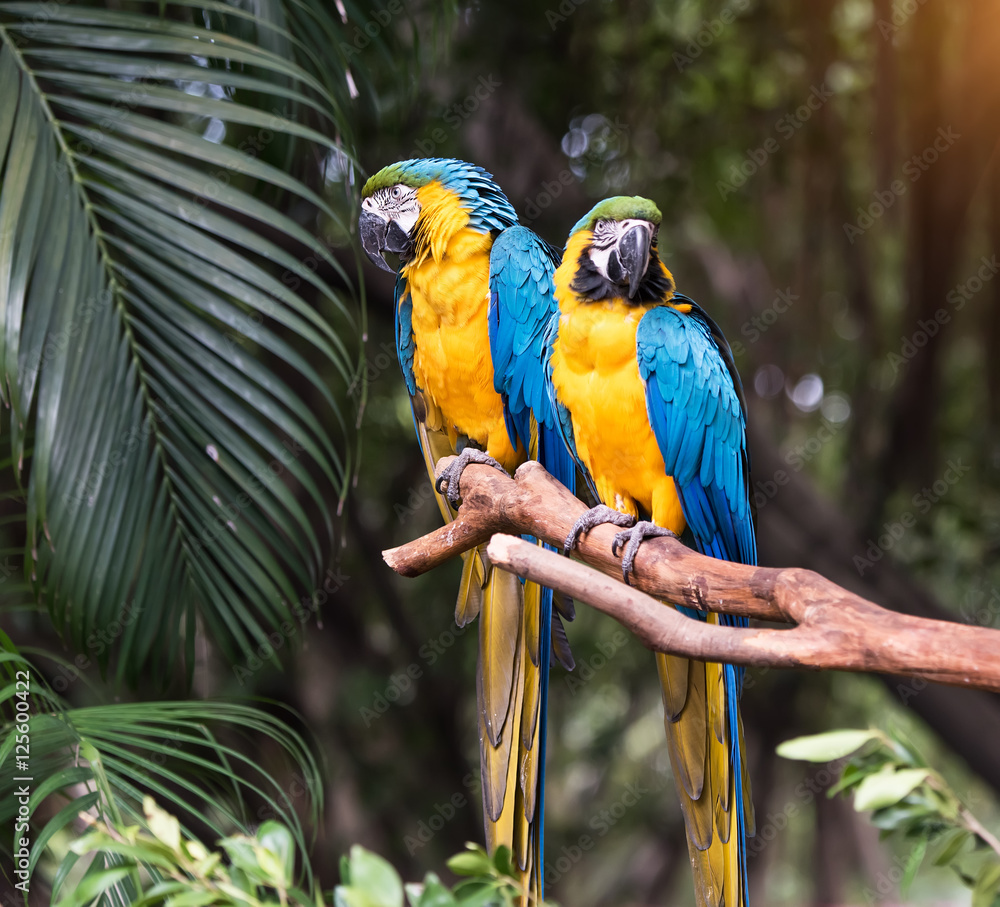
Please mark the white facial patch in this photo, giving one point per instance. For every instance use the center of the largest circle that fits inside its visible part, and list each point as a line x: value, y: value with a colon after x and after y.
x: 625, y: 225
x: 607, y: 233
x: 600, y: 257
x: 407, y: 216
x: 394, y: 203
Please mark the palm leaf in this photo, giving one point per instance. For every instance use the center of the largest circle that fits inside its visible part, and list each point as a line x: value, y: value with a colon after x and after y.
x: 104, y: 759
x: 175, y: 349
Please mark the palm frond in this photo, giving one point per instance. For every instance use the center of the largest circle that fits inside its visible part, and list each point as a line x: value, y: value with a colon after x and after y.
x: 103, y: 760
x: 175, y: 349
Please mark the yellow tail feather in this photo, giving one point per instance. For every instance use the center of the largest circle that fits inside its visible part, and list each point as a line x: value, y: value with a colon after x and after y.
x: 470, y: 590
x: 528, y: 750
x: 508, y: 685
x: 509, y: 745
x: 696, y: 722
x: 532, y: 619
x: 499, y: 771
x: 500, y: 644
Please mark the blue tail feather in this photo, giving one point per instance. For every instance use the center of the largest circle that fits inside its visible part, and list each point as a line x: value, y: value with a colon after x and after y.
x: 544, y: 662
x: 733, y: 684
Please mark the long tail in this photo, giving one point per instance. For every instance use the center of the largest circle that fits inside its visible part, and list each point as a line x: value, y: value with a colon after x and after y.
x: 506, y: 630
x: 545, y: 637
x: 503, y: 701
x: 512, y: 688
x: 529, y: 812
x: 705, y: 743
x: 517, y: 634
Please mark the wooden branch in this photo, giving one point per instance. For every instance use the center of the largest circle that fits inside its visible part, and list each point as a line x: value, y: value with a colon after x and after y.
x: 834, y: 628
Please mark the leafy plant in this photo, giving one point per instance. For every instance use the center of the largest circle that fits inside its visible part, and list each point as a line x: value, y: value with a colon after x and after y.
x: 906, y: 796
x: 165, y: 866
x: 152, y: 325
x: 104, y: 759
x: 370, y: 881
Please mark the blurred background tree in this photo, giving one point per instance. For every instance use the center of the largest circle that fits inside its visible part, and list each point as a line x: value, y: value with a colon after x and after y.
x: 831, y: 195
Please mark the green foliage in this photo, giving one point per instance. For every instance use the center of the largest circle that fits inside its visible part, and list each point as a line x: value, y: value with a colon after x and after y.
x: 908, y: 798
x: 106, y: 758
x: 154, y: 333
x: 825, y: 747
x: 158, y: 864
x: 167, y: 867
x: 367, y: 880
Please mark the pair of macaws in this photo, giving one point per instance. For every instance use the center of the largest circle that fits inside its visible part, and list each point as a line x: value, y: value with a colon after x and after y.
x: 586, y: 360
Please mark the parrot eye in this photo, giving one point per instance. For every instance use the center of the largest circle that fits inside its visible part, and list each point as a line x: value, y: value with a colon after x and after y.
x: 397, y: 191
x: 604, y: 232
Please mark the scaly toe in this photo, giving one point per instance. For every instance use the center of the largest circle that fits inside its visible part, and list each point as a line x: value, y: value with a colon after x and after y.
x: 596, y: 516
x: 632, y: 539
x: 449, y: 481
x: 447, y: 484
x: 621, y: 539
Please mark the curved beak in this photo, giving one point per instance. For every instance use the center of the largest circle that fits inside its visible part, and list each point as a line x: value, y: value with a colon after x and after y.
x: 633, y: 253
x: 373, y: 230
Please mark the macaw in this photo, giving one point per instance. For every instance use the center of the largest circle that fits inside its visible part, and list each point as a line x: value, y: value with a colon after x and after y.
x: 652, y: 408
x: 467, y: 281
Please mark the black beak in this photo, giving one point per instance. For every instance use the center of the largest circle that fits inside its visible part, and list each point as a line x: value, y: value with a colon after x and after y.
x: 633, y: 253
x: 373, y: 229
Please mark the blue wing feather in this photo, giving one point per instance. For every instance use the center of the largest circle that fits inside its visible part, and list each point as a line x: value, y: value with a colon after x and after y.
x: 696, y: 411
x: 696, y: 408
x: 522, y: 302
x: 405, y: 346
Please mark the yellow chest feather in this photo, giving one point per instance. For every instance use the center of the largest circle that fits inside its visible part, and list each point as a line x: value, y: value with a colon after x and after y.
x: 448, y: 282
x: 595, y: 372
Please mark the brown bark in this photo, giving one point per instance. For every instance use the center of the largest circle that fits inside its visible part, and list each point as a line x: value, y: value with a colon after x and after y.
x: 835, y: 628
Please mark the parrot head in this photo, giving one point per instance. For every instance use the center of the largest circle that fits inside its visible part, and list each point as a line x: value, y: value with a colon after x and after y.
x: 395, y: 204
x: 617, y: 257
x: 389, y: 212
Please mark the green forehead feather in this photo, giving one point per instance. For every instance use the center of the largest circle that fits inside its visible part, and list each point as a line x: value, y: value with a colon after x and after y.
x: 391, y: 176
x: 621, y: 207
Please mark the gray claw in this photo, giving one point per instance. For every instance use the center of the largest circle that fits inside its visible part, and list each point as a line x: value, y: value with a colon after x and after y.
x: 595, y: 517
x: 632, y: 539
x: 447, y: 483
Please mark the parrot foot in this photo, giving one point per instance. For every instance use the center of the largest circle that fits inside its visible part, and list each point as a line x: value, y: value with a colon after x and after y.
x: 595, y: 517
x: 632, y: 538
x: 447, y: 482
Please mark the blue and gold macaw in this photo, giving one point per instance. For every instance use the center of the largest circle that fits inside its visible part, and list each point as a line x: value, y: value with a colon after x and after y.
x: 651, y: 406
x: 466, y: 274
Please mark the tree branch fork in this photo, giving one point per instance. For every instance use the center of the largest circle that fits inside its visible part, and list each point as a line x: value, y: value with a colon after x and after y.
x: 832, y: 629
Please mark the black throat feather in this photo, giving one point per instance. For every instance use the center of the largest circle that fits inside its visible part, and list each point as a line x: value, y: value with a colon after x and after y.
x: 591, y: 284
